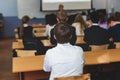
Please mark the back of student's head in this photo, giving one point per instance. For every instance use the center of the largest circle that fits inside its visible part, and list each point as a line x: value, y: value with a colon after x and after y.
x: 62, y: 32
x: 51, y: 19
x: 114, y: 17
x: 25, y: 19
x: 102, y: 17
x: 79, y: 18
x: 117, y: 15
x: 94, y: 17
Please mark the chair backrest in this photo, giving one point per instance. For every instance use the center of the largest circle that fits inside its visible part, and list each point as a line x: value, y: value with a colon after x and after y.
x: 23, y: 53
x: 81, y: 77
x: 117, y: 44
x: 99, y: 47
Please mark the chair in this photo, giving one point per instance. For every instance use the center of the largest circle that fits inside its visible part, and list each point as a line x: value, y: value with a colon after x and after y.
x: 117, y: 44
x: 81, y: 77
x: 98, y: 47
x: 23, y: 53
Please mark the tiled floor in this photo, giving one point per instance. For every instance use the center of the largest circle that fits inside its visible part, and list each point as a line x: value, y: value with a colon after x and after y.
x: 6, y: 60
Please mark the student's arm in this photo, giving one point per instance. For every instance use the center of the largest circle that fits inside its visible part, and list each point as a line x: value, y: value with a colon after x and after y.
x: 52, y: 39
x: 47, y: 30
x: 86, y: 39
x: 46, y: 65
x: 74, y: 37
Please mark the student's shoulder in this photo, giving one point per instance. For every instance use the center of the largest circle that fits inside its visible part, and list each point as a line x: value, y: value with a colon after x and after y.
x: 77, y: 47
x: 88, y: 29
x: 51, y: 50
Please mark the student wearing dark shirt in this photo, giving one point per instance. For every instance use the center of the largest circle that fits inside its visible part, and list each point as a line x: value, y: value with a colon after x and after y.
x: 114, y: 30
x: 95, y: 35
x: 29, y: 40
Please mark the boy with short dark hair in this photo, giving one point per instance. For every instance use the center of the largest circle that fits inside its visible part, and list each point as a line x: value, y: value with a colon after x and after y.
x: 64, y: 59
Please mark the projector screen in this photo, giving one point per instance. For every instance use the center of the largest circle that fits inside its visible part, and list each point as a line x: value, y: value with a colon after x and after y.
x: 52, y: 5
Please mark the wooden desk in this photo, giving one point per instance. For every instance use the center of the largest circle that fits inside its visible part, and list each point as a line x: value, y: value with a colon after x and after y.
x: 29, y: 68
x: 29, y: 63
x: 17, y: 45
x: 40, y: 31
x: 95, y: 57
x: 48, y: 44
x: 35, y: 63
x: 91, y: 57
x: 38, y: 25
x: 23, y: 53
x: 114, y: 55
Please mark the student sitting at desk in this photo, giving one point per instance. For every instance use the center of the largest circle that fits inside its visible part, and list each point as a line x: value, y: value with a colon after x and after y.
x: 64, y: 59
x: 63, y: 18
x: 29, y: 40
x: 114, y: 30
x: 51, y: 22
x: 95, y: 35
x: 79, y: 25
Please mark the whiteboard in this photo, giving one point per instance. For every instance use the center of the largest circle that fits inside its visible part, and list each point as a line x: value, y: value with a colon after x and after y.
x: 30, y: 8
x: 52, y: 5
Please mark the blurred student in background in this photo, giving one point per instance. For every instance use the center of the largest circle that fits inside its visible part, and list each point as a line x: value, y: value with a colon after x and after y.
x: 29, y: 40
x: 63, y: 18
x: 79, y: 25
x: 61, y: 10
x: 51, y: 23
x: 114, y: 30
x: 103, y: 21
x: 95, y: 35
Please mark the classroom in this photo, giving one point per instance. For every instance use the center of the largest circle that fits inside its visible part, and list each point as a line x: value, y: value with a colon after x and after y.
x: 28, y: 34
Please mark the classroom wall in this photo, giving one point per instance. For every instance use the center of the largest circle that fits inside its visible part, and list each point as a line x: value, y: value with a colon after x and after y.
x: 110, y: 5
x: 9, y: 9
x: 31, y: 8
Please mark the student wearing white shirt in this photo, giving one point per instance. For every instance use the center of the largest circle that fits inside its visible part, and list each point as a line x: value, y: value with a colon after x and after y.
x: 79, y: 25
x: 51, y: 23
x: 64, y: 59
x: 48, y: 29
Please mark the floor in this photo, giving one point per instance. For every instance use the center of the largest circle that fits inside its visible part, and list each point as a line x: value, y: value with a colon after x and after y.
x: 6, y: 60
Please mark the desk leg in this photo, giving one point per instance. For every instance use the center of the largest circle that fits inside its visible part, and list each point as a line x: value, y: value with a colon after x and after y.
x: 21, y: 75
